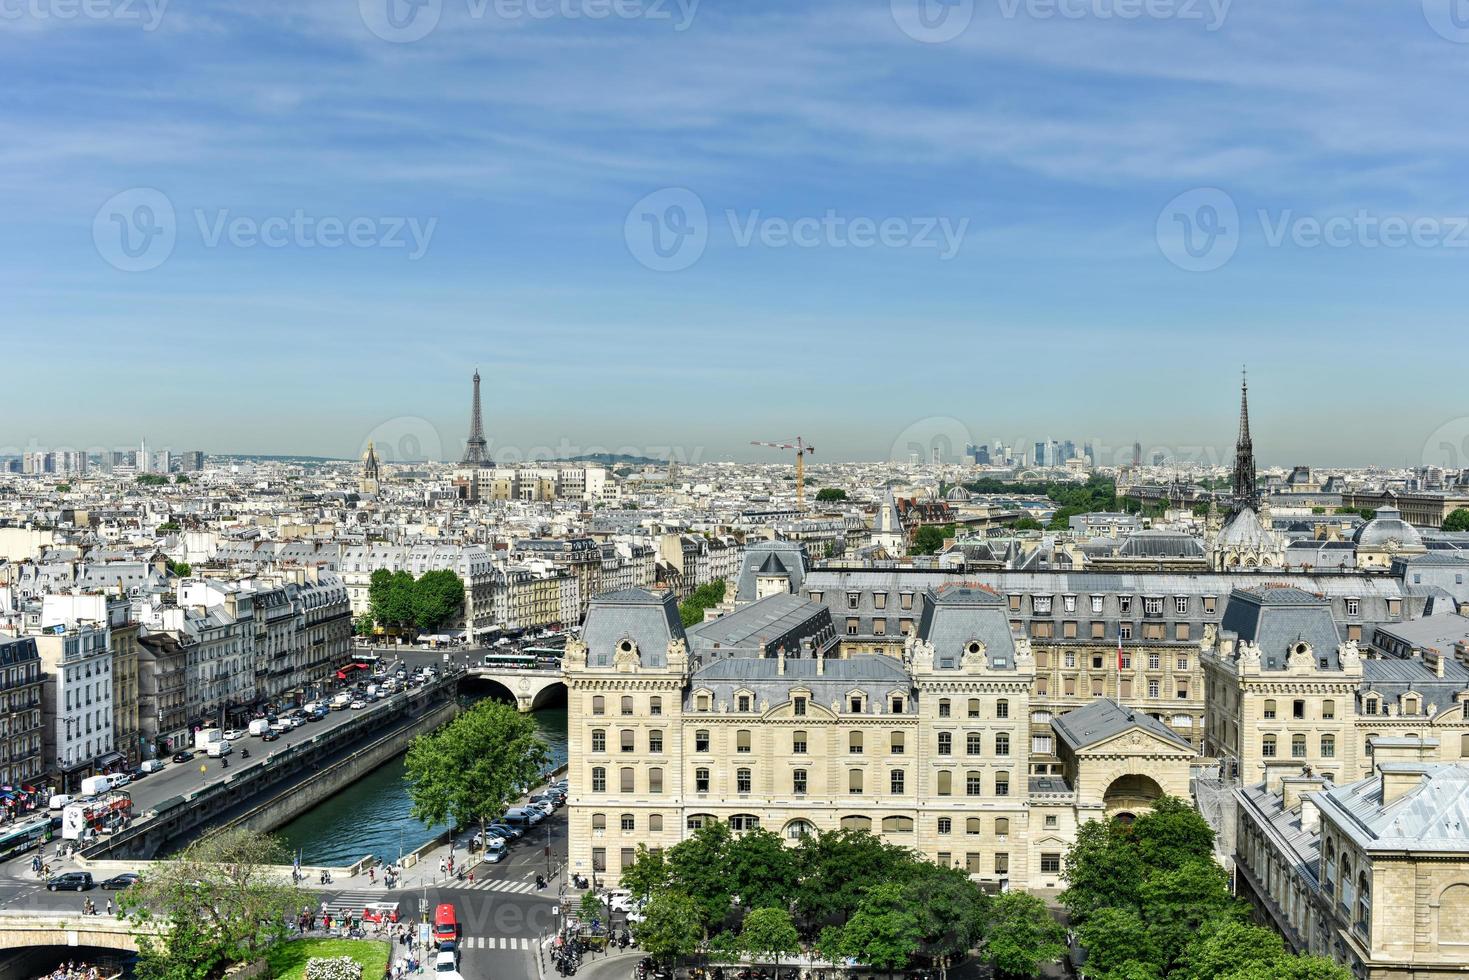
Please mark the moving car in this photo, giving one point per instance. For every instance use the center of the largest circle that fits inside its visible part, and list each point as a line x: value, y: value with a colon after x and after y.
x: 118, y: 882
x: 71, y: 881
x: 358, y: 705
x: 270, y: 736
x: 231, y: 734
x: 446, y: 923
x: 184, y: 756
x: 446, y: 965
x: 496, y: 850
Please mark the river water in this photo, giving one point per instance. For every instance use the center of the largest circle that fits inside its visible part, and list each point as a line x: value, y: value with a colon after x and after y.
x: 372, y: 815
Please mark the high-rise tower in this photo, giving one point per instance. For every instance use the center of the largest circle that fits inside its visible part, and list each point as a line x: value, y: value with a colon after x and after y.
x: 1245, y: 492
x: 476, y: 450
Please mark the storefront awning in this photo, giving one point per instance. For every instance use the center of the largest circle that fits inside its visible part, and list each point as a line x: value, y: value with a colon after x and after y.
x: 110, y: 758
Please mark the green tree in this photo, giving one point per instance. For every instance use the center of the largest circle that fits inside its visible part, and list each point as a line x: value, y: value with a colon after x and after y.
x: 1177, y: 903
x: 697, y: 868
x: 151, y: 479
x: 649, y: 873
x: 1117, y: 942
x: 706, y: 596
x: 168, y: 527
x: 768, y: 933
x: 1021, y: 935
x: 1172, y: 834
x: 1026, y: 524
x: 63, y: 488
x: 179, y: 569
x: 761, y: 870
x: 672, y: 926
x: 400, y: 609
x: 180, y: 479
x: 929, y: 539
x: 219, y: 901
x: 1102, y: 869
x: 379, y: 585
x: 592, y: 909
x: 884, y: 932
x: 837, y: 867
x: 362, y: 625
x: 470, y: 769
x: 436, y: 596
x: 1458, y: 520
x: 1228, y: 946
x: 828, y: 495
x: 1292, y: 968
x: 951, y: 908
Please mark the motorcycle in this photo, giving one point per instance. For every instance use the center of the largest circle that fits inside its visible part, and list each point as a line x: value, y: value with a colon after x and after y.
x: 540, y: 882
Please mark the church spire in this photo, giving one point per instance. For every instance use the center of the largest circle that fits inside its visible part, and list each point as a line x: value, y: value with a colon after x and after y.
x: 1245, y: 492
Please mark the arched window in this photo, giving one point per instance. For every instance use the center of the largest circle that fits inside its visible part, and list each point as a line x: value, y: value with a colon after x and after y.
x: 944, y: 707
x: 1269, y: 709
x: 742, y: 740
x: 599, y: 740
x: 854, y: 743
x: 945, y: 825
x: 626, y: 779
x: 946, y: 782
x: 855, y: 822
x: 626, y: 739
x: 697, y: 821
x: 1453, y: 916
x: 655, y: 821
x: 898, y: 744
x: 599, y: 821
x: 1328, y: 746
x: 1364, y: 905
x: 599, y: 705
x: 743, y: 822
x: 655, y: 706
x: 627, y: 704
x: 973, y: 826
x: 897, y: 825
x: 1328, y: 878
x: 1002, y: 826
x: 974, y: 743
x: 796, y: 829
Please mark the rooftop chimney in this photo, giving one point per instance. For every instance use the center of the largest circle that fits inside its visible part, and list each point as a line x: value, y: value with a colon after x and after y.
x: 1400, y: 778
x: 1310, y: 815
x: 820, y: 662
x: 1294, y: 788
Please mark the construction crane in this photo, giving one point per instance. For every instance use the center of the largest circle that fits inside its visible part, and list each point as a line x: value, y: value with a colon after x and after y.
x: 799, y: 445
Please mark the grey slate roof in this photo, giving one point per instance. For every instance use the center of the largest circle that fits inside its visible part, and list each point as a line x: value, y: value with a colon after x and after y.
x: 649, y: 619
x: 775, y: 621
x: 956, y: 615
x: 1434, y: 816
x: 790, y: 556
x: 1279, y: 618
x: 1102, y: 719
x: 872, y: 674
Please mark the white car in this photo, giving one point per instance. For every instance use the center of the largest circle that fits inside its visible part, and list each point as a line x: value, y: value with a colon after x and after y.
x: 618, y: 900
x: 635, y: 914
x: 446, y: 966
x: 231, y: 734
x: 358, y: 705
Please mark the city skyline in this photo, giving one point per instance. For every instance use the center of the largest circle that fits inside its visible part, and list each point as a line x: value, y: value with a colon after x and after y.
x: 1034, y: 172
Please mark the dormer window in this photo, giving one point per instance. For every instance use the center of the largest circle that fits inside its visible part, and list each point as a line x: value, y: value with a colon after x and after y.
x: 855, y: 704
x: 798, y: 705
x: 897, y: 704
x: 743, y: 702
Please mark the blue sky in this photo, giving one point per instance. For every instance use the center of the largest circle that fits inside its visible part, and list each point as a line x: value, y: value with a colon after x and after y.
x: 1067, y: 151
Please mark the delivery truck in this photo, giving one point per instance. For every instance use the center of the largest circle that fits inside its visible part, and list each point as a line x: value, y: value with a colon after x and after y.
x: 95, y: 785
x: 206, y: 737
x: 259, y: 727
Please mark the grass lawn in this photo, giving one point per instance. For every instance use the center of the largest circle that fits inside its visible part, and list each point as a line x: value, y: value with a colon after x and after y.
x: 288, y: 960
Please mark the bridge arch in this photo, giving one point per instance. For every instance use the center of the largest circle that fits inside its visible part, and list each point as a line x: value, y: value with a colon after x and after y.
x: 529, y: 689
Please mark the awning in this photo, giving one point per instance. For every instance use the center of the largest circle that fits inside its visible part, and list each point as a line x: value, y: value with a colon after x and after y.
x: 110, y: 758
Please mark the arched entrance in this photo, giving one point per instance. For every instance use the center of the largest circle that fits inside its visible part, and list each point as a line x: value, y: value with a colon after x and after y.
x: 1130, y: 796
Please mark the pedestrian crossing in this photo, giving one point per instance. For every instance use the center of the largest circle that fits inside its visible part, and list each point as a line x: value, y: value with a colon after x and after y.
x: 498, y: 942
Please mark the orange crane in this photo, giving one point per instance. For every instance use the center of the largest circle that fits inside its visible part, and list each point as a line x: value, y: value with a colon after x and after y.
x: 801, y: 450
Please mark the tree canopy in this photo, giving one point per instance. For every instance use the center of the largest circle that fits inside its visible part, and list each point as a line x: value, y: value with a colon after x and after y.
x: 828, y: 495
x: 397, y: 599
x: 1458, y: 520
x: 706, y: 596
x: 1021, y: 935
x: 930, y: 538
x: 220, y: 902
x: 1149, y: 902
x: 470, y: 770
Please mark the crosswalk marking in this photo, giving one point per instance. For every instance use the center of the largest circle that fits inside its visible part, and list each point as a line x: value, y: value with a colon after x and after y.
x: 498, y: 942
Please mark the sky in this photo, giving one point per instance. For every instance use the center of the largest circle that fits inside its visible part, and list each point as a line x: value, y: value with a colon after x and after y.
x: 669, y: 226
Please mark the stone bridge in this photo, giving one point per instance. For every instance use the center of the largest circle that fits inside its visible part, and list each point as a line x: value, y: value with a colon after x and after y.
x: 530, y: 688
x: 19, y: 930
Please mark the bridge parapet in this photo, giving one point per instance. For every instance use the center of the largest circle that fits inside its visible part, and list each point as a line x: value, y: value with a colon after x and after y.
x: 20, y: 929
x: 526, y: 686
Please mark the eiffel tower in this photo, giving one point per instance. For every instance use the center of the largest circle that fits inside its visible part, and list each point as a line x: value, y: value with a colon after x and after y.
x: 476, y: 451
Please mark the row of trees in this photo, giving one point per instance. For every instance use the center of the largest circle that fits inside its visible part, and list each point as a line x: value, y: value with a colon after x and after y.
x: 1149, y: 902
x: 841, y: 894
x: 398, y: 600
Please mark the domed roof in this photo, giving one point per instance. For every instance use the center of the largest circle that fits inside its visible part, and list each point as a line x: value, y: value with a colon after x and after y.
x: 1388, y: 530
x: 1244, y: 530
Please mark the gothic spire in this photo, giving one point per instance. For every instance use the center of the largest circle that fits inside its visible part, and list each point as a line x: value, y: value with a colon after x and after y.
x: 1245, y: 492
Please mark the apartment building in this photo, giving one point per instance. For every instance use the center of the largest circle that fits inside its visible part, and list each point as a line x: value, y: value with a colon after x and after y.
x: 21, y: 714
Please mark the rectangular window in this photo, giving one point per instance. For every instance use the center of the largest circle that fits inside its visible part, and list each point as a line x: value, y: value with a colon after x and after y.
x: 798, y: 707
x: 897, y: 744
x: 879, y: 627
x: 1050, y: 863
x: 1152, y: 689
x: 627, y: 780
x: 944, y: 708
x: 1354, y: 607
x: 655, y: 742
x: 701, y: 741
x: 627, y: 740
x: 895, y: 782
x: 599, y: 780
x: 742, y: 740
x: 1180, y: 604
x: 599, y: 740
x: 1002, y: 863
x: 599, y: 859
x: 946, y: 825
x: 880, y: 600
x: 854, y: 743
x: 853, y: 627
x: 701, y: 780
x: 798, y: 782
x: 798, y: 743
x: 854, y: 781
x: 974, y: 863
x: 906, y: 600
x: 655, y: 706
x: 743, y: 780
x: 628, y: 823
x: 1181, y: 632
x: 1124, y: 631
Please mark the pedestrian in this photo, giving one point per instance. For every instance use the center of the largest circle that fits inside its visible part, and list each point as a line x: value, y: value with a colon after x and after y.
x: 109, y: 906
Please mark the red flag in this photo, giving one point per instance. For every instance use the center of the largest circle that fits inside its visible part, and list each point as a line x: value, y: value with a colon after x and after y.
x: 1119, y: 651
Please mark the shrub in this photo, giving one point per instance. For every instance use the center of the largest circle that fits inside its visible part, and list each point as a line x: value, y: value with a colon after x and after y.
x: 333, y: 968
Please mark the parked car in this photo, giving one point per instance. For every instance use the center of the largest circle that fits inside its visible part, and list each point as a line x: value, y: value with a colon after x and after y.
x: 138, y: 773
x: 618, y: 900
x: 516, y: 833
x: 184, y: 756
x: 118, y: 882
x: 71, y: 881
x: 496, y: 850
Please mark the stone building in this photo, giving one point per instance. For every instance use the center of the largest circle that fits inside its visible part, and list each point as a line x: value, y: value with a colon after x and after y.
x: 20, y: 711
x: 765, y: 718
x: 1373, y: 874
